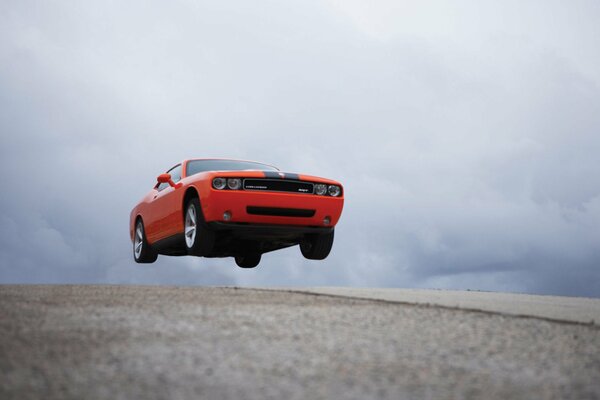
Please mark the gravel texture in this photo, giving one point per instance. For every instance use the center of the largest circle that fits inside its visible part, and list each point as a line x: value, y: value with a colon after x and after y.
x: 127, y: 342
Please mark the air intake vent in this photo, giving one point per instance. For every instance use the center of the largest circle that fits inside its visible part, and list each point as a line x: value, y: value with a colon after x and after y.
x: 280, y: 212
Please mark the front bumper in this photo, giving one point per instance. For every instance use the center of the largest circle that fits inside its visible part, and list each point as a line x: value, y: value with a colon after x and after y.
x: 238, y: 203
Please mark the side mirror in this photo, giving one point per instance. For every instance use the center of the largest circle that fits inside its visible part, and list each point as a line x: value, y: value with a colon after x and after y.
x: 166, y: 178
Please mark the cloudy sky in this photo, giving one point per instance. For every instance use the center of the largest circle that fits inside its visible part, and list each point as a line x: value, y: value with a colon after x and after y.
x: 467, y: 135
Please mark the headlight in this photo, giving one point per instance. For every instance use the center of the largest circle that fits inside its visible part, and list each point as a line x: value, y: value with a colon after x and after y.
x: 334, y: 190
x: 219, y: 183
x: 320, y: 189
x: 234, y: 183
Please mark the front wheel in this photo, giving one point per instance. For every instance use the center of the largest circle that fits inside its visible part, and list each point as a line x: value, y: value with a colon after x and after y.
x: 248, y: 260
x: 143, y: 253
x: 317, y: 246
x: 199, y: 240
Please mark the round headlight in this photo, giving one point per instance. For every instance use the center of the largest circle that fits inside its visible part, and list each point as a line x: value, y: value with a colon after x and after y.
x: 334, y: 190
x: 234, y: 183
x: 219, y: 183
x: 320, y: 189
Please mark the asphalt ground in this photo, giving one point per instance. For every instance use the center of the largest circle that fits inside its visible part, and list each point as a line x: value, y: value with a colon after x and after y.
x: 128, y: 342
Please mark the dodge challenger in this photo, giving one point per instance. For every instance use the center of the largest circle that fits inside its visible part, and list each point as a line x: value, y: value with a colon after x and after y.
x: 234, y: 208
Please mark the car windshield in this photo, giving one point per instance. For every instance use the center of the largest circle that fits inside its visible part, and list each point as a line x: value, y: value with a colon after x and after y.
x: 197, y: 166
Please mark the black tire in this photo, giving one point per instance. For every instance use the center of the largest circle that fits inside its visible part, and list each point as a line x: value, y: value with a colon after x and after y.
x: 317, y: 246
x: 203, y: 241
x: 145, y: 254
x: 250, y: 260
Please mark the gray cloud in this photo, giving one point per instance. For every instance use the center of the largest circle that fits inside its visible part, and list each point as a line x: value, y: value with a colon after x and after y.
x: 466, y: 135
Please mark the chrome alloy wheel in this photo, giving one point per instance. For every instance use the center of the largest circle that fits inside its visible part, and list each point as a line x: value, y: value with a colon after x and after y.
x: 138, y: 242
x: 190, y: 226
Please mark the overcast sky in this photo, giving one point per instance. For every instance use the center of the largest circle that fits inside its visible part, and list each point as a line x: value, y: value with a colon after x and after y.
x: 466, y: 133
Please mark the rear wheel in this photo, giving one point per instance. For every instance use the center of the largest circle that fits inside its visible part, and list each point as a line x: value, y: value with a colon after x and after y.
x: 317, y: 246
x: 142, y: 251
x: 248, y: 260
x: 199, y: 240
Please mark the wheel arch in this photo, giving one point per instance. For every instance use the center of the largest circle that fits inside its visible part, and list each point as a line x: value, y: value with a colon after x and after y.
x: 190, y: 193
x: 134, y: 220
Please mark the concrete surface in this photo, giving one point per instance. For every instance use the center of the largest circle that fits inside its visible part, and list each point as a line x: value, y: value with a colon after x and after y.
x: 572, y: 309
x: 127, y: 342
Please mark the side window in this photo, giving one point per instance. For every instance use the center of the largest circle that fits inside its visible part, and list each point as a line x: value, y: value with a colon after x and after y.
x: 176, y: 173
x: 175, y: 177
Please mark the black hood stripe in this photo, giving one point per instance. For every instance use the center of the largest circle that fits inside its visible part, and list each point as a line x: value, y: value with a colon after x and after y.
x: 272, y: 175
x: 295, y: 177
x: 281, y: 175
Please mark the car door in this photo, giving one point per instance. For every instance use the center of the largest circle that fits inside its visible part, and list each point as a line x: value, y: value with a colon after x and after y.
x: 164, y: 204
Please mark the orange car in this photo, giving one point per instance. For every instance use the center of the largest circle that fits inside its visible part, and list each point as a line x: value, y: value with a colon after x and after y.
x: 232, y: 208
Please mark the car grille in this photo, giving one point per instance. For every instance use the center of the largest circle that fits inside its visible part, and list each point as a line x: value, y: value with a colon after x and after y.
x: 278, y: 185
x: 280, y: 212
